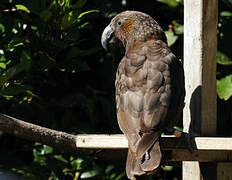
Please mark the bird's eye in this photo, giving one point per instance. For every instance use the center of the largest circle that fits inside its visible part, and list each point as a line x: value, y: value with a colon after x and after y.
x: 119, y: 23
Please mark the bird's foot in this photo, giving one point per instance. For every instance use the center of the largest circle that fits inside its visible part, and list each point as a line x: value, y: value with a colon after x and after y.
x: 189, y: 140
x: 186, y: 138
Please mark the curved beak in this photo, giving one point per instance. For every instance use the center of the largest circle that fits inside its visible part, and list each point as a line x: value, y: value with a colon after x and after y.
x: 107, y: 36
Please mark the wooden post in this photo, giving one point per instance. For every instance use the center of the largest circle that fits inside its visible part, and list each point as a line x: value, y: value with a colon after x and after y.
x: 200, y: 47
x: 224, y: 171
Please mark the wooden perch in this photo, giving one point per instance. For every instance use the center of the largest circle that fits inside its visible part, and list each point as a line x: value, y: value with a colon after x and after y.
x: 204, y: 149
x: 37, y: 133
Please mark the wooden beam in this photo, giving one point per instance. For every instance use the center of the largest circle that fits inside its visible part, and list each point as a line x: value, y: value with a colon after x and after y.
x: 103, y: 141
x: 200, y: 47
x: 207, y: 149
x: 224, y: 170
x: 197, y: 155
x: 169, y: 156
x: 118, y: 141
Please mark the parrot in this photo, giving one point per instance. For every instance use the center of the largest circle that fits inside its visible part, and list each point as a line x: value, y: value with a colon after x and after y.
x: 149, y: 88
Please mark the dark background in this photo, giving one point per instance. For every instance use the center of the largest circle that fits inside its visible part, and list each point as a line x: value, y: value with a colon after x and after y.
x: 54, y: 73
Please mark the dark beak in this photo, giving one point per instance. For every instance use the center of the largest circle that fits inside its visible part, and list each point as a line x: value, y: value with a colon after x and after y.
x: 107, y: 36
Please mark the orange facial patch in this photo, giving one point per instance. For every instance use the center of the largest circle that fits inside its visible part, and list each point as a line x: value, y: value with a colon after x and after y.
x: 128, y: 25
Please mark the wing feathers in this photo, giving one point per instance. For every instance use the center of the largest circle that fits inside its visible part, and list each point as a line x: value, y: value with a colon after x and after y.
x: 149, y: 95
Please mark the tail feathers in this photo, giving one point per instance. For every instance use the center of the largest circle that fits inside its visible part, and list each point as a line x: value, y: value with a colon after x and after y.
x: 147, y: 140
x: 152, y: 159
x: 133, y: 166
x: 147, y: 164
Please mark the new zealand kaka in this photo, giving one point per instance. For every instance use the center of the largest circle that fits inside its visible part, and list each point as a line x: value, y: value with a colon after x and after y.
x: 149, y: 88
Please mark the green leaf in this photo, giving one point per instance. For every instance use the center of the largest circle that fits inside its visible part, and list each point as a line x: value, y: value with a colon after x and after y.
x: 2, y: 28
x: 25, y: 63
x: 47, y: 149
x: 109, y: 168
x: 15, y: 89
x: 2, y: 65
x: 3, y: 80
x: 37, y: 150
x: 178, y: 128
x: 86, y: 25
x: 121, y: 176
x: 179, y: 29
x: 42, y: 160
x: 90, y: 174
x: 77, y: 163
x: 53, y: 176
x: 86, y: 14
x: 171, y: 37
x: 61, y: 2
x: 67, y: 20
x: 34, y: 28
x: 167, y: 168
x: 224, y: 87
x: 35, y: 6
x: 223, y: 59
x: 60, y: 158
x: 112, y: 176
x: 79, y: 4
x: 16, y: 42
x: 171, y: 3
x: 22, y: 8
x: 67, y: 4
x: 226, y: 14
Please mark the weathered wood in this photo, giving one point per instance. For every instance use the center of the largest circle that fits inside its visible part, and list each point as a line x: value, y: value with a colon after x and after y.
x: 200, y: 47
x: 103, y: 141
x: 168, y: 156
x: 118, y: 141
x: 205, y: 149
x: 224, y: 171
x: 191, y: 170
x: 199, y: 155
x: 32, y: 132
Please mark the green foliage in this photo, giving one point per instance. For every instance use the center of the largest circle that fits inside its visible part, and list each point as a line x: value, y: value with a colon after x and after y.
x: 171, y: 3
x: 225, y: 14
x: 47, y: 164
x: 171, y: 37
x: 223, y: 59
x: 50, y: 63
x: 224, y: 54
x: 22, y: 8
x: 224, y: 87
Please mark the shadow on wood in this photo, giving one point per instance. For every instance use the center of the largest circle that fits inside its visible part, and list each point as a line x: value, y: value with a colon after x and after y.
x: 195, y: 112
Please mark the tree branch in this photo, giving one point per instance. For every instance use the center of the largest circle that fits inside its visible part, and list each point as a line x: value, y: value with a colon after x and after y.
x: 57, y: 139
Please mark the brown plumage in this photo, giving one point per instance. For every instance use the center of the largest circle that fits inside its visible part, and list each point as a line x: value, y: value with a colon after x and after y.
x: 149, y: 88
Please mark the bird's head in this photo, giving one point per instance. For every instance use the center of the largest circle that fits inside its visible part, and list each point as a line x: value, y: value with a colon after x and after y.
x: 131, y: 27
